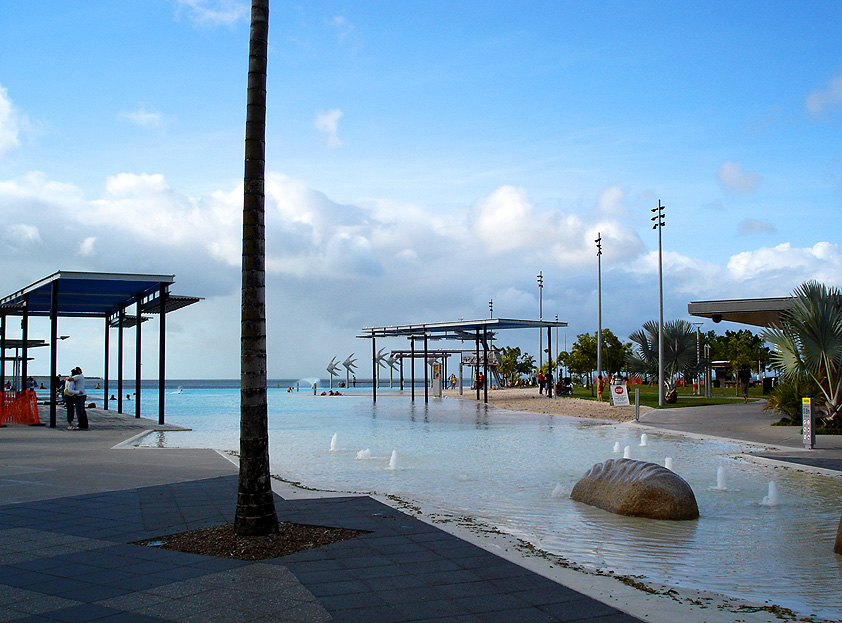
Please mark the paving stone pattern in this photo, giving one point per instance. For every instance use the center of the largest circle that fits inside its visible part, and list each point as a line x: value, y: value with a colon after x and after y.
x: 72, y: 559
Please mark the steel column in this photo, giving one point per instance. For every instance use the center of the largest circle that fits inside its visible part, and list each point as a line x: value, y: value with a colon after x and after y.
x: 162, y: 350
x: 53, y: 349
x: 137, y: 361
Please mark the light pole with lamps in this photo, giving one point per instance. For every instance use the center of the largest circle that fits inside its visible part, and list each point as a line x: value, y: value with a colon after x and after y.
x: 540, y: 317
x: 659, y: 225
x: 698, y: 360
x: 598, y: 242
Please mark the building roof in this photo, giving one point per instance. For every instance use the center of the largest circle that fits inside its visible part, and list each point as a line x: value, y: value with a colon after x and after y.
x: 758, y: 312
x: 93, y: 295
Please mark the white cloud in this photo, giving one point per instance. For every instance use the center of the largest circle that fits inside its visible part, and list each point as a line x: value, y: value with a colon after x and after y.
x: 784, y: 266
x: 214, y: 12
x: 86, y: 248
x: 20, y: 235
x: 143, y: 117
x: 342, y: 26
x: 820, y: 101
x: 505, y: 220
x: 328, y: 124
x: 734, y: 179
x: 9, y: 124
x: 750, y: 227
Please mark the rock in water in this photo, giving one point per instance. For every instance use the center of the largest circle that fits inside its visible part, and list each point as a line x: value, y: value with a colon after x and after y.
x: 637, y: 488
x: 838, y: 546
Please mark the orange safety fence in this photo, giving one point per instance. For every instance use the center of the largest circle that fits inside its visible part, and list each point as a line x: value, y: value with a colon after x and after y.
x: 19, y: 407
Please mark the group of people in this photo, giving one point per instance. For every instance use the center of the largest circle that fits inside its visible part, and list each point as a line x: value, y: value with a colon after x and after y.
x: 73, y: 391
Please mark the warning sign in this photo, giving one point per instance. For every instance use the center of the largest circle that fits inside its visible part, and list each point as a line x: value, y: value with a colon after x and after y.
x: 619, y: 395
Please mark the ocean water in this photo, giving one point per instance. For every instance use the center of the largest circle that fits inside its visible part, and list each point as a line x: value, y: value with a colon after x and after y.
x: 515, y: 472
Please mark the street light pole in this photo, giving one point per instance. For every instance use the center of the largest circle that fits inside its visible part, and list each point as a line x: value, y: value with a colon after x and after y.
x: 659, y: 225
x: 698, y: 360
x: 598, y: 242
x: 540, y: 317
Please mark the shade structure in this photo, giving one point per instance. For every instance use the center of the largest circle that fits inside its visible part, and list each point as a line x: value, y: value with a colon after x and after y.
x: 765, y: 312
x: 479, y: 331
x: 107, y: 296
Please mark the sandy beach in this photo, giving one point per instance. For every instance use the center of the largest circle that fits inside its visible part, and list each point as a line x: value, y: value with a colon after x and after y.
x: 529, y: 400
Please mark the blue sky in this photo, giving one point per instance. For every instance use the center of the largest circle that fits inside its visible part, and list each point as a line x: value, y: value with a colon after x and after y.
x: 422, y: 159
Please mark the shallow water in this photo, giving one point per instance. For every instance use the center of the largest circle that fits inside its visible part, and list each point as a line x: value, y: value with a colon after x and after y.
x: 515, y: 472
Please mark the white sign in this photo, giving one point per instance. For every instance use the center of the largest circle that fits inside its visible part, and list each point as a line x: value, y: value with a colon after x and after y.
x: 620, y: 396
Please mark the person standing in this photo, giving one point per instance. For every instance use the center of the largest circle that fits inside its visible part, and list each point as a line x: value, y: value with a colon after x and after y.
x: 80, y: 398
x: 69, y: 395
x: 744, y: 376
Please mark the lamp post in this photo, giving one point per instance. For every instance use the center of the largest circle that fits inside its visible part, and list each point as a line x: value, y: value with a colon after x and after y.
x: 598, y: 242
x: 698, y: 360
x: 659, y: 224
x: 540, y: 317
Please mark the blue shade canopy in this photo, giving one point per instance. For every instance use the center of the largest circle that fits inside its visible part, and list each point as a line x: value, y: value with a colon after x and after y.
x: 90, y: 295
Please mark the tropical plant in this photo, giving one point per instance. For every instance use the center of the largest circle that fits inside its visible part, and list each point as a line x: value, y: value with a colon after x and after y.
x: 679, y: 351
x: 808, y: 342
x: 785, y: 398
x: 255, y: 514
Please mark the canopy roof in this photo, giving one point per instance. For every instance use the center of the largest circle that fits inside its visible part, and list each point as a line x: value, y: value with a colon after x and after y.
x: 459, y: 330
x: 93, y: 295
x: 758, y: 312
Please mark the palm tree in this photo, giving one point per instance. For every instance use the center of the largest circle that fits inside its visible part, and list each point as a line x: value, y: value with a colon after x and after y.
x: 679, y: 350
x: 808, y: 342
x: 255, y: 514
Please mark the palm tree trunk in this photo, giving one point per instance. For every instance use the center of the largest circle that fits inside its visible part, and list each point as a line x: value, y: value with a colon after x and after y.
x: 255, y: 505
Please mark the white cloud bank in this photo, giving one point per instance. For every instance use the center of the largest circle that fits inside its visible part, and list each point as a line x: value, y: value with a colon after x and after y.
x: 333, y: 268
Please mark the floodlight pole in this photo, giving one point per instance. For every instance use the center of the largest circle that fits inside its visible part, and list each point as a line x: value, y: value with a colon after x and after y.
x: 598, y: 242
x: 659, y: 224
x: 698, y: 359
x: 540, y: 317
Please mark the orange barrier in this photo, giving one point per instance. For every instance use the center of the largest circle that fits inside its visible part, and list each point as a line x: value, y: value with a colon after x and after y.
x: 19, y: 408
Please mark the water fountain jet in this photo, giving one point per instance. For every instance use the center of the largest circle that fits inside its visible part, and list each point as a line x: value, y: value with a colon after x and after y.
x: 333, y: 443
x: 772, y: 499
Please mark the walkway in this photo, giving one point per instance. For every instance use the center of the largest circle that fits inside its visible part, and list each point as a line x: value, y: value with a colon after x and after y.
x: 72, y: 503
x: 748, y: 422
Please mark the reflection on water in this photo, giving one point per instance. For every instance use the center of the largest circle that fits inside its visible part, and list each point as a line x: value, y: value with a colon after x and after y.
x: 515, y: 471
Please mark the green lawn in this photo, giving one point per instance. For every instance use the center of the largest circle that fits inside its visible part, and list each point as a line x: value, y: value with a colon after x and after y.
x: 649, y: 396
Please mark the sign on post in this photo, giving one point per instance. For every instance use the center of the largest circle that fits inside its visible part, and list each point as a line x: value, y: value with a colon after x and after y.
x: 620, y: 396
x: 808, y: 423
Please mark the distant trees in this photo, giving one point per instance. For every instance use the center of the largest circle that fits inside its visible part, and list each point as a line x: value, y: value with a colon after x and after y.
x: 581, y: 359
x: 738, y: 348
x: 514, y: 364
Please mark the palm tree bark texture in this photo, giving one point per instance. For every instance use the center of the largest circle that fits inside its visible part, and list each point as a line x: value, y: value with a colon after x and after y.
x: 255, y: 514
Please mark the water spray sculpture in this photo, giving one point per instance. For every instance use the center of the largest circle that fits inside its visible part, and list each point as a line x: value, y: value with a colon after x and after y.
x: 392, y: 362
x: 350, y: 366
x: 380, y: 360
x: 638, y: 489
x: 333, y: 370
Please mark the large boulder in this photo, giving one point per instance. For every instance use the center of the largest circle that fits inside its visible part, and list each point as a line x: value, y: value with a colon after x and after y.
x: 637, y: 488
x: 838, y: 546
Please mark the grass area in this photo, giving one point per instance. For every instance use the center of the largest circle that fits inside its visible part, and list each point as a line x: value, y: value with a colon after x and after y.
x: 649, y: 396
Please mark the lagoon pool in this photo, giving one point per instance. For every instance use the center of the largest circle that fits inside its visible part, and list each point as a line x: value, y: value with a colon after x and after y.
x: 515, y: 472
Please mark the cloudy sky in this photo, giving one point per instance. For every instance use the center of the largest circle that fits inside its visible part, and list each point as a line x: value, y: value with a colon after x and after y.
x: 422, y: 160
